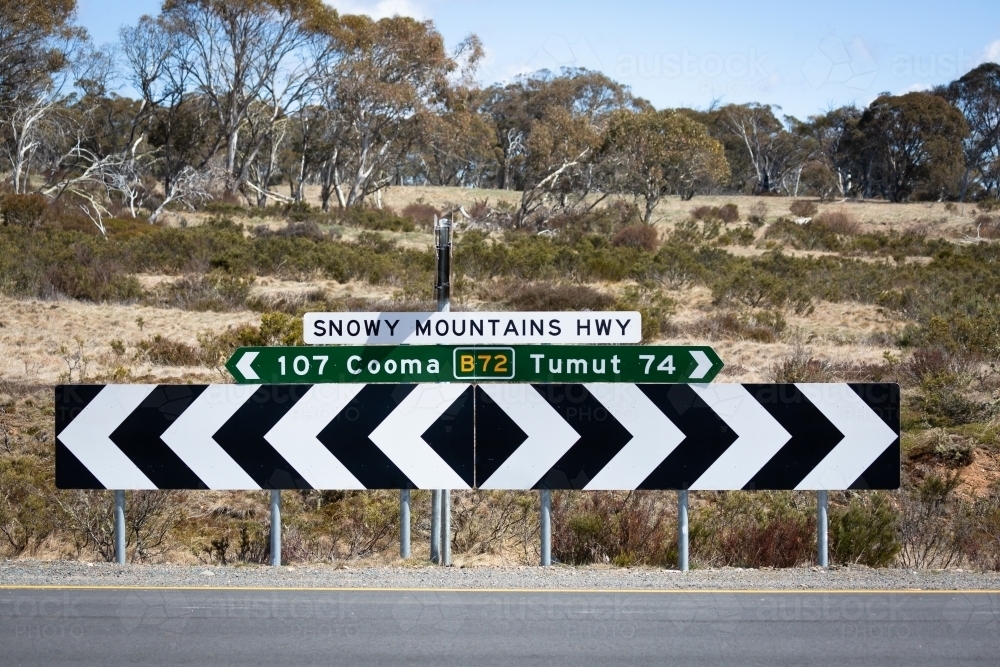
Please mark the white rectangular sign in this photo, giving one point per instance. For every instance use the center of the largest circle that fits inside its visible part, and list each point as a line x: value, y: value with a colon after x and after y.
x: 471, y: 328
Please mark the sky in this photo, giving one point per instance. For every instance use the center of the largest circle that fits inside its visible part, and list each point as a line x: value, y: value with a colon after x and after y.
x: 803, y: 57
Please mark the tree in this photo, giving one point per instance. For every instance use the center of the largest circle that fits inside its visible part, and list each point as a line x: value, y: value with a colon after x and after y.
x: 375, y: 78
x: 662, y: 153
x: 246, y: 57
x: 977, y: 96
x: 513, y: 108
x: 768, y: 145
x: 830, y: 166
x: 37, y: 40
x: 561, y: 158
x: 916, y: 145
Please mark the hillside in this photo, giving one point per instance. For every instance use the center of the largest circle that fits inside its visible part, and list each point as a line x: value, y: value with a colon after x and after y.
x: 863, y: 292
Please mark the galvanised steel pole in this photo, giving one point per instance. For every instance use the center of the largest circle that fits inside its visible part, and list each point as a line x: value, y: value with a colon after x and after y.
x: 441, y: 499
x: 404, y: 523
x: 275, y: 528
x: 446, y: 528
x: 822, y: 541
x: 120, y: 527
x: 682, y: 531
x: 435, y: 526
x: 546, y: 528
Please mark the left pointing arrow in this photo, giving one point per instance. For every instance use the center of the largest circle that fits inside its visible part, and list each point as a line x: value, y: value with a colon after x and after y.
x: 88, y: 437
x: 244, y: 366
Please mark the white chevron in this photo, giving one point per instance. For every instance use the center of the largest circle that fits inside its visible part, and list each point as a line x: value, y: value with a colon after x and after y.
x: 399, y: 436
x: 88, y: 437
x: 760, y: 437
x: 653, y: 437
x: 704, y: 365
x: 549, y: 436
x: 190, y: 437
x: 244, y: 365
x: 866, y: 436
x: 294, y: 436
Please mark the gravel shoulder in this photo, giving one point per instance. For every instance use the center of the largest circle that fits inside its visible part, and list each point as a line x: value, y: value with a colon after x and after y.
x: 73, y: 573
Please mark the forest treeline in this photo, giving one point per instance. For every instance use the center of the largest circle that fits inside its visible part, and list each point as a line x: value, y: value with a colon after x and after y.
x: 253, y: 100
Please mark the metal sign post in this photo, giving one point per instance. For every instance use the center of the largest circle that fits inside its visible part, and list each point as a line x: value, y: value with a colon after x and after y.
x: 275, y: 527
x: 120, y: 527
x: 682, y: 531
x: 441, y: 500
x: 546, y: 527
x: 821, y: 529
x: 404, y: 523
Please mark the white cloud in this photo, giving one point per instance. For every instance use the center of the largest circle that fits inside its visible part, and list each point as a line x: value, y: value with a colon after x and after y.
x: 380, y: 9
x: 917, y: 88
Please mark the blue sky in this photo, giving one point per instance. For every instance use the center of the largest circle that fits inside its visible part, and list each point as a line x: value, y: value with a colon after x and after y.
x: 798, y: 55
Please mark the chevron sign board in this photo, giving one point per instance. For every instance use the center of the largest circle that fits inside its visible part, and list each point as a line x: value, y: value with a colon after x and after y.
x: 488, y: 436
x: 676, y: 436
x: 246, y: 437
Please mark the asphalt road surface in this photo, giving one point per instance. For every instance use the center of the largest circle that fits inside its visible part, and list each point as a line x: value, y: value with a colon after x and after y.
x: 220, y: 627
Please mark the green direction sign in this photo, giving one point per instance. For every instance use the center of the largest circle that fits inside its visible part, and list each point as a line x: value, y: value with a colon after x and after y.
x: 448, y: 363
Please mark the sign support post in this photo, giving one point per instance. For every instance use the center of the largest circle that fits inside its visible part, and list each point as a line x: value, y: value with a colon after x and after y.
x: 275, y: 527
x: 404, y: 523
x: 441, y: 524
x: 446, y: 528
x: 435, y: 526
x: 546, y: 527
x: 822, y: 523
x: 120, y: 527
x: 682, y: 531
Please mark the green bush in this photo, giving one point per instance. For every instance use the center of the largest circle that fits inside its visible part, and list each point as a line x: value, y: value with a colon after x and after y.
x: 623, y: 528
x: 545, y: 296
x: 803, y: 208
x: 755, y: 529
x: 640, y: 237
x: 27, y: 211
x: 865, y: 531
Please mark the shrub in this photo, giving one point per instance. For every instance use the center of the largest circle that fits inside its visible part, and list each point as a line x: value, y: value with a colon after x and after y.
x: 982, y: 547
x: 217, y: 291
x: 803, y: 208
x: 307, y: 229
x: 165, y: 352
x: 24, y: 210
x: 27, y: 515
x: 275, y: 329
x: 987, y: 227
x: 865, y: 531
x: 755, y: 529
x: 927, y: 522
x: 762, y: 326
x: 544, y: 296
x: 640, y: 237
x: 654, y: 306
x: 422, y: 214
x: 376, y: 220
x: 623, y: 528
x: 839, y: 222
x: 758, y: 214
x: 742, y: 236
x: 727, y: 213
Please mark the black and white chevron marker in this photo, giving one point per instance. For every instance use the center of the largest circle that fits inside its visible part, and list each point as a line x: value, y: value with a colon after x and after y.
x: 490, y: 436
x: 719, y: 437
x: 245, y: 437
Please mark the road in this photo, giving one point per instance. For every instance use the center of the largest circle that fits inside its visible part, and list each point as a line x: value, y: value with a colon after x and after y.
x: 221, y: 627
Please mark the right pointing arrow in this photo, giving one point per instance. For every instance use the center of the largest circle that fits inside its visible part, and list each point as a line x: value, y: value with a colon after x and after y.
x: 704, y: 365
x: 244, y: 366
